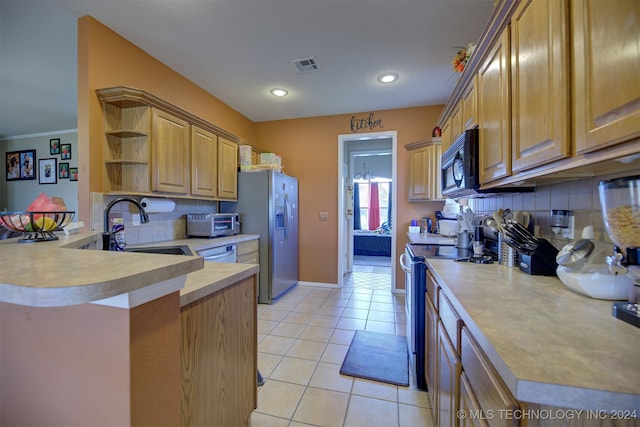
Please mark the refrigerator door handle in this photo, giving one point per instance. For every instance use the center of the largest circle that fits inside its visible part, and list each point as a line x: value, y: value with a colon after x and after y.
x: 287, y: 221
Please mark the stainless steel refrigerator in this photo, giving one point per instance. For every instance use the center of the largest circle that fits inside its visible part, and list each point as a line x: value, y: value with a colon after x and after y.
x: 268, y: 206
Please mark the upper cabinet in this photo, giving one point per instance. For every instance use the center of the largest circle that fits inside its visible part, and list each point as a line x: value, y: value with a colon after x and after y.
x: 170, y: 147
x: 153, y: 147
x: 606, y: 58
x: 204, y: 154
x: 494, y: 112
x: 425, y: 170
x: 540, y: 83
x: 556, y: 92
x: 227, y: 169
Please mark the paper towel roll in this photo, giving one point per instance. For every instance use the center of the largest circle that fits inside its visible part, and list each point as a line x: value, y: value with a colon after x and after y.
x: 158, y: 205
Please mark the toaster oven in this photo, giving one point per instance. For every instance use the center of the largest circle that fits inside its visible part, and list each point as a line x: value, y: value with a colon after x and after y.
x: 212, y: 224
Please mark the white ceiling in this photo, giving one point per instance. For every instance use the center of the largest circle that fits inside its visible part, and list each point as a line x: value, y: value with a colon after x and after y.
x: 238, y: 50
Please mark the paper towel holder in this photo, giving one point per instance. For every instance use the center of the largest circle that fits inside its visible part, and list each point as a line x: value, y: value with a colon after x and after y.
x: 157, y: 205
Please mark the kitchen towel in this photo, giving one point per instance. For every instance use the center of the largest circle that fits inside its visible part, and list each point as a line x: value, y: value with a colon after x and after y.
x: 157, y: 205
x: 378, y: 357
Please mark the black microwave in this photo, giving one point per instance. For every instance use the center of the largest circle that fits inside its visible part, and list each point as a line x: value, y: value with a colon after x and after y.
x: 461, y: 169
x: 460, y: 166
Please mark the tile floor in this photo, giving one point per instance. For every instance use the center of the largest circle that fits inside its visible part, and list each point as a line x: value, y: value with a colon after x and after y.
x: 302, y: 341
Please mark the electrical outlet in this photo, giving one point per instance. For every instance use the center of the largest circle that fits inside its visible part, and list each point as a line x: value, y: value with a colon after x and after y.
x: 135, y: 219
x: 324, y: 216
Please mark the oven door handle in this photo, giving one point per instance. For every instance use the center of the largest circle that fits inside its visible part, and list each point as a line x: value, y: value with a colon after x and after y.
x: 406, y: 267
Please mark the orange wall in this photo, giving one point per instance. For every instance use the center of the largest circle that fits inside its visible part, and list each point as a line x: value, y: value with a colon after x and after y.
x: 309, y: 150
x: 309, y: 147
x: 105, y: 59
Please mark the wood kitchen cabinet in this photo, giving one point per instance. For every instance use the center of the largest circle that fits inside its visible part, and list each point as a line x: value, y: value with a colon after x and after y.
x: 127, y: 152
x: 606, y: 58
x: 424, y: 170
x: 431, y: 350
x: 447, y: 138
x: 219, y: 357
x: 171, y: 158
x: 456, y: 122
x: 248, y: 252
x: 494, y: 112
x: 448, y: 378
x: 540, y: 83
x: 483, y: 387
x: 469, y: 106
x: 227, y: 169
x: 152, y: 147
x: 204, y: 162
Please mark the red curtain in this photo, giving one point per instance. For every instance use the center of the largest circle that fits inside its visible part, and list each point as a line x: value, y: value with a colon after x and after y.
x: 374, y: 207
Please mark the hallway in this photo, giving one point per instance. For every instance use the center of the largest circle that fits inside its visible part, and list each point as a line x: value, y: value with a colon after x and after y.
x: 302, y: 341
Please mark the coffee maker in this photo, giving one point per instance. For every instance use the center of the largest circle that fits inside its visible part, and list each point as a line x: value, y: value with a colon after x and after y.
x: 620, y: 203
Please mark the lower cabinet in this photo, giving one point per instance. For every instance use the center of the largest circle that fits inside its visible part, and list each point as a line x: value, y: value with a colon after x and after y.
x: 218, y: 356
x: 248, y: 252
x: 449, y: 368
x: 484, y: 386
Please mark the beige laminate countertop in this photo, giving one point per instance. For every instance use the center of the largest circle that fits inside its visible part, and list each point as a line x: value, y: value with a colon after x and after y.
x: 214, y: 276
x: 57, y: 273
x: 550, y: 345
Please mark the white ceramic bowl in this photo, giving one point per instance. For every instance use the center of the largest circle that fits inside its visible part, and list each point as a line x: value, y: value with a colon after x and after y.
x: 448, y: 227
x: 599, y: 284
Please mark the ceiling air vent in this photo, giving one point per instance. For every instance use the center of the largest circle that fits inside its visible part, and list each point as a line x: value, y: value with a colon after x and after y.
x: 305, y: 65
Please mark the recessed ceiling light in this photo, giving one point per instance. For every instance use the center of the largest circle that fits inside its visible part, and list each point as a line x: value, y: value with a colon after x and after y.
x: 279, y: 92
x: 388, y: 77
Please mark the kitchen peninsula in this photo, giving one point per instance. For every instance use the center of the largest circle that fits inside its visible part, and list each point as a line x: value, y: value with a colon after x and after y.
x: 90, y: 337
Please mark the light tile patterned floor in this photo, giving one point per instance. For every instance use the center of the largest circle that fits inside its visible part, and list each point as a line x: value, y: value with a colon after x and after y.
x: 302, y: 341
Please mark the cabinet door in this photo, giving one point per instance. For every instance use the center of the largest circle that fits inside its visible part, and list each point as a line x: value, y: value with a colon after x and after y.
x: 468, y: 403
x: 606, y: 57
x: 488, y: 389
x: 431, y: 351
x: 494, y: 112
x: 456, y: 122
x: 170, y: 147
x: 447, y: 139
x: 418, y: 172
x: 435, y: 172
x: 204, y: 163
x: 469, y: 105
x: 227, y: 169
x: 449, y: 368
x: 540, y: 83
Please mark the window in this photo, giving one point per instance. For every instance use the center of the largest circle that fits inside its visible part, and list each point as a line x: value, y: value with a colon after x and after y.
x: 384, y: 186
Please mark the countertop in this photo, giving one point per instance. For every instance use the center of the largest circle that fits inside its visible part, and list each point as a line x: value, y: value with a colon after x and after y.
x: 58, y: 273
x: 430, y: 239
x: 214, y: 276
x: 199, y: 244
x: 550, y: 345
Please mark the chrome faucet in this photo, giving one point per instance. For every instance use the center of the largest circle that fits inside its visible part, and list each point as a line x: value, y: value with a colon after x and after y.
x: 108, y: 239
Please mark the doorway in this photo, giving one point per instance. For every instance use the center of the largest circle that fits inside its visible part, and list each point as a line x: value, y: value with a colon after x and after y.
x: 368, y: 144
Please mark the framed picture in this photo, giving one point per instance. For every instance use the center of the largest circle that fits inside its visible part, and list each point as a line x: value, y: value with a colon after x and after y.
x: 20, y: 165
x: 73, y: 174
x: 47, y: 169
x: 63, y: 171
x: 12, y: 161
x: 65, y: 151
x: 54, y: 146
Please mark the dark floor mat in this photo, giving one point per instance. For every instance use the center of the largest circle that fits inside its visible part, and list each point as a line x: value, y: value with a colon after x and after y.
x: 378, y: 357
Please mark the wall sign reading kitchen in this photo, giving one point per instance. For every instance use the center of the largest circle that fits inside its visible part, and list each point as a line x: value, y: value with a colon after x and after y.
x: 365, y: 123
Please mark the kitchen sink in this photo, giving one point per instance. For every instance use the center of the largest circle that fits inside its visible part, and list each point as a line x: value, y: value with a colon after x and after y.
x: 166, y: 250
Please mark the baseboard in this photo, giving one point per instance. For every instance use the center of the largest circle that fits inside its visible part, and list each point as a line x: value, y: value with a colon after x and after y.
x: 318, y: 284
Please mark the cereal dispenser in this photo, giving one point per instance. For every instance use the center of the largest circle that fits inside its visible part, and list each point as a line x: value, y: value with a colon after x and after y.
x: 620, y: 202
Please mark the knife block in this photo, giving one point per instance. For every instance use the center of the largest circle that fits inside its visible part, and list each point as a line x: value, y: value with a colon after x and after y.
x: 540, y: 261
